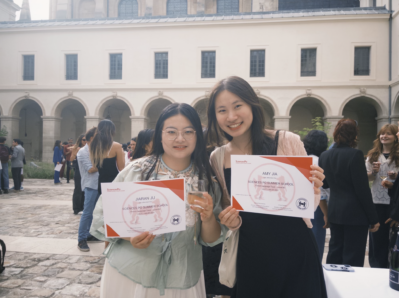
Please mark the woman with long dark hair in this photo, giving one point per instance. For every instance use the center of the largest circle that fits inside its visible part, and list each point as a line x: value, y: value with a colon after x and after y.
x: 78, y: 197
x: 316, y: 142
x: 277, y: 255
x: 57, y: 159
x: 105, y: 154
x: 382, y: 162
x: 143, y: 144
x: 170, y: 265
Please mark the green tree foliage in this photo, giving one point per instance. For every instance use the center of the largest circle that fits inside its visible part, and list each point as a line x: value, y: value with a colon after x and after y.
x: 3, y: 131
x: 317, y: 124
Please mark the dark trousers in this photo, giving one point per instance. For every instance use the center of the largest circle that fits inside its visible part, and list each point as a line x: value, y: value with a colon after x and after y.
x: 347, y: 245
x: 62, y: 170
x: 68, y: 169
x: 78, y: 198
x: 16, y: 176
x: 379, y: 241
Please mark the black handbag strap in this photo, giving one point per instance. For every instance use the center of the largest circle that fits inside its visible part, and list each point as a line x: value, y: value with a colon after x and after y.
x: 276, y: 142
x: 3, y: 253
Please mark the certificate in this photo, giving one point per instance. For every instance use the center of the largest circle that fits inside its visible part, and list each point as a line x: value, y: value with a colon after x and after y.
x: 276, y: 185
x: 131, y: 208
x: 58, y: 167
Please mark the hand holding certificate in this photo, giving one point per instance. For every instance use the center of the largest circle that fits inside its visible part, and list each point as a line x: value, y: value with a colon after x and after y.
x: 278, y: 185
x: 136, y: 207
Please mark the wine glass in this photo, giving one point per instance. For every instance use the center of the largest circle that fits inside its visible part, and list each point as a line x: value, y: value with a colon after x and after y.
x: 383, y: 175
x: 197, y: 194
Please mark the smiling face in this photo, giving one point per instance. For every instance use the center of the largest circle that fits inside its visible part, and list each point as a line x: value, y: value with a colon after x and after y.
x: 180, y: 147
x: 233, y: 114
x: 387, y: 138
x: 132, y: 145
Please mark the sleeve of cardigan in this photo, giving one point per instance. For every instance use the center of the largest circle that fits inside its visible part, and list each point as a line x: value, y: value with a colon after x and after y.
x: 361, y: 185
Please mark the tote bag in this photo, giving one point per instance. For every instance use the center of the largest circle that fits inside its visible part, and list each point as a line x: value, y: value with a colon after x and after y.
x: 228, y: 263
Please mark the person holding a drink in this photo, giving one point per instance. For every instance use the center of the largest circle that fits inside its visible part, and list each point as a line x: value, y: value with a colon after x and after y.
x: 167, y: 265
x: 382, y: 164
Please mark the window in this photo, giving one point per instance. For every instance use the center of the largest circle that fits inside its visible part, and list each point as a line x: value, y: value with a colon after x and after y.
x: 362, y: 61
x: 176, y: 7
x: 308, y: 62
x: 257, y: 63
x: 29, y: 67
x: 128, y: 9
x: 228, y: 6
x: 71, y: 61
x: 208, y: 59
x: 115, y: 66
x: 161, y: 65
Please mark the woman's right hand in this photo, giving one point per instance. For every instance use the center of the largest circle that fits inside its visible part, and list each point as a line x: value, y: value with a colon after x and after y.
x: 229, y: 217
x: 142, y: 241
x: 374, y: 228
x: 376, y: 167
x: 387, y: 184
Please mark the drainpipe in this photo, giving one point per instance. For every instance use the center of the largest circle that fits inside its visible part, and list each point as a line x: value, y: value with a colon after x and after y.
x: 390, y: 62
x: 107, y: 8
x: 72, y: 9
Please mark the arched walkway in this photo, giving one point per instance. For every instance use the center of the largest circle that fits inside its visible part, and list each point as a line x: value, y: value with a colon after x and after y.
x: 304, y: 110
x: 269, y: 111
x: 153, y: 110
x: 29, y: 127
x: 364, y: 110
x: 72, y: 111
x: 201, y: 106
x: 119, y: 112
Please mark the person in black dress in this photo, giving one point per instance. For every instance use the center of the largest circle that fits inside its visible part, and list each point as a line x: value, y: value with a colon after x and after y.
x: 78, y: 197
x: 277, y: 255
x: 106, y: 154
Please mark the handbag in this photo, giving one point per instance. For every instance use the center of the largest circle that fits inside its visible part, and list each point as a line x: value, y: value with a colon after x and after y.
x: 228, y: 262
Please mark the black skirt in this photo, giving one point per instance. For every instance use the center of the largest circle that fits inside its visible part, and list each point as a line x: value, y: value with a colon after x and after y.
x: 277, y: 258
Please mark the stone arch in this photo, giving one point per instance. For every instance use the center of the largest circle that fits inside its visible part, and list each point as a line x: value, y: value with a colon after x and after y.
x: 365, y: 109
x: 304, y: 108
x: 200, y: 104
x: 270, y: 109
x: 28, y: 125
x: 153, y: 108
x: 119, y: 111
x: 72, y: 111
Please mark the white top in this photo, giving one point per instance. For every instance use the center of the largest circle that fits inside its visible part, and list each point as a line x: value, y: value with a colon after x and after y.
x: 379, y: 193
x: 324, y: 193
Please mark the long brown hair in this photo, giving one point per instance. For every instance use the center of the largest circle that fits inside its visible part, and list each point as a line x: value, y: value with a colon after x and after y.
x: 102, y: 142
x: 261, y: 141
x: 376, y: 151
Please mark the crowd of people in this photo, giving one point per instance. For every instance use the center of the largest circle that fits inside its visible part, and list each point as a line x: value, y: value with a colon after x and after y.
x: 185, y: 264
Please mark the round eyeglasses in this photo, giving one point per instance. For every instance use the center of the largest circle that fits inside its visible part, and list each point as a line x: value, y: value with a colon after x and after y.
x: 172, y: 134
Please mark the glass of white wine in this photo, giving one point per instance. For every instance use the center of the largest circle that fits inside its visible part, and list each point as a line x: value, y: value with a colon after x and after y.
x: 197, y: 194
x: 383, y: 175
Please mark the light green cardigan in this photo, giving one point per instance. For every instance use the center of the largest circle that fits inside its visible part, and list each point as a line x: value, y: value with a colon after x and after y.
x: 173, y: 260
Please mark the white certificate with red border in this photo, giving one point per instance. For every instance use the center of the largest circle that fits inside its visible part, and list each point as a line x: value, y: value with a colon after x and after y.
x: 276, y: 185
x: 131, y: 208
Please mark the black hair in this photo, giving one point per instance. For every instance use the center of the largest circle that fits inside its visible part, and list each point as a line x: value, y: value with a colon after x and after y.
x: 144, y: 138
x: 56, y: 144
x: 198, y: 157
x: 3, y: 139
x: 134, y: 139
x: 262, y: 143
x: 64, y: 143
x: 102, y: 142
x: 124, y: 147
x: 315, y: 142
x: 90, y: 133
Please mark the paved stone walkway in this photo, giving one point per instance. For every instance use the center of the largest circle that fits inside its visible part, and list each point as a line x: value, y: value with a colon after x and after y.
x: 40, y: 231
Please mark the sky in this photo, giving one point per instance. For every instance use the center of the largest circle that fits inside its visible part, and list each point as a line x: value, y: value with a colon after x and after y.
x: 39, y: 9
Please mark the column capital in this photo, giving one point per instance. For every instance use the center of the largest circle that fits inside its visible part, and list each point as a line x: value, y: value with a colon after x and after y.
x: 10, y: 118
x: 282, y: 117
x: 51, y: 118
x: 93, y: 118
x: 333, y: 117
x: 382, y: 117
x: 138, y: 117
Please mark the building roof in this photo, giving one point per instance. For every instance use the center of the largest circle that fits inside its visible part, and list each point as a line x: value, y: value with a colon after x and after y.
x: 199, y: 18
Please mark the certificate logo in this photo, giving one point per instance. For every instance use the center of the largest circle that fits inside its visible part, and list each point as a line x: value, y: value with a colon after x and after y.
x: 175, y: 220
x: 302, y: 204
x: 145, y: 208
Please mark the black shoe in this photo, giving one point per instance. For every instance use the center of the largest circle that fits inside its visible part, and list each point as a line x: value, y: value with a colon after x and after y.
x: 93, y: 239
x: 5, y: 191
x: 83, y: 246
x: 75, y: 212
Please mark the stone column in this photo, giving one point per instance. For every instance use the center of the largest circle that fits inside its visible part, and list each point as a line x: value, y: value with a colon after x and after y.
x: 395, y: 119
x: 80, y: 128
x: 282, y: 122
x: 332, y: 121
x: 92, y: 121
x: 51, y: 133
x: 138, y: 123
x: 11, y: 124
x: 381, y: 121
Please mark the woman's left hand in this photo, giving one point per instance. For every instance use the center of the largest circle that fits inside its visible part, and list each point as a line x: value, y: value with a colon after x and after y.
x: 317, y: 178
x: 206, y: 211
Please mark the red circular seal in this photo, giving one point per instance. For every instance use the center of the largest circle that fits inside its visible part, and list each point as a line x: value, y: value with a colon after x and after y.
x: 145, y: 207
x: 271, y: 187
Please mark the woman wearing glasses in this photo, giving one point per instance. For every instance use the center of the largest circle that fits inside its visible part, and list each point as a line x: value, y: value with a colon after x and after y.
x: 78, y: 197
x: 168, y: 265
